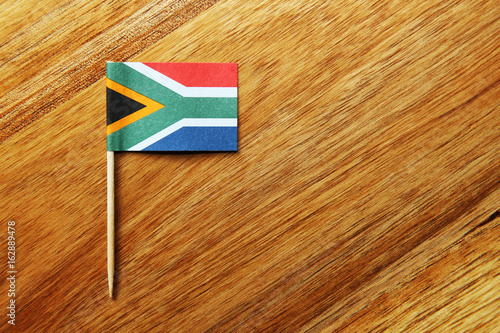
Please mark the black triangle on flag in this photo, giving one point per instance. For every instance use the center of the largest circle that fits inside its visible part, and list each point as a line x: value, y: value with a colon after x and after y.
x: 120, y: 106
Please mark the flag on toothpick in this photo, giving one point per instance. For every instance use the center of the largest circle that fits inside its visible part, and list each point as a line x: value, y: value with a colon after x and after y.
x: 172, y: 106
x: 167, y: 107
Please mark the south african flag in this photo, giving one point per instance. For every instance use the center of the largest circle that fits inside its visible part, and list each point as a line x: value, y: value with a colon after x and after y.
x: 172, y: 106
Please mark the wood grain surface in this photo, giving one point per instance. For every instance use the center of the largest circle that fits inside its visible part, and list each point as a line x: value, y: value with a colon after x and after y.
x: 364, y: 196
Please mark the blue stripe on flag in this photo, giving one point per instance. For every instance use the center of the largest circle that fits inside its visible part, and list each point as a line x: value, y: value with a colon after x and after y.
x: 198, y: 139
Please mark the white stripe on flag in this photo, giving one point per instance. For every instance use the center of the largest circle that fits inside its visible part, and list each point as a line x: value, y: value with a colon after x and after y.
x: 178, y: 87
x: 186, y: 122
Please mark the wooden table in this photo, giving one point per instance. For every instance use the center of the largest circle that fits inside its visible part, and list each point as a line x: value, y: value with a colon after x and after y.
x: 364, y: 195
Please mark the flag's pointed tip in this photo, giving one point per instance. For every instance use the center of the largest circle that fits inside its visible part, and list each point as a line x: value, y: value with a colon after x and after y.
x: 110, y: 292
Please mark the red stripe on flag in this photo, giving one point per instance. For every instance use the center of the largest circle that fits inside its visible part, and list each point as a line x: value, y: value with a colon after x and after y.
x: 199, y: 74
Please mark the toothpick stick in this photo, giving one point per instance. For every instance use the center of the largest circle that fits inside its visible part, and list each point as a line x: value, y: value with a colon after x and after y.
x: 111, y: 221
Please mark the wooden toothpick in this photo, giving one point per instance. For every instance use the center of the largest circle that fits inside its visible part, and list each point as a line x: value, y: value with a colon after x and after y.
x: 111, y: 221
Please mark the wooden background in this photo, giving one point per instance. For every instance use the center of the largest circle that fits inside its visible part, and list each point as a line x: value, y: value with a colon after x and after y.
x: 364, y: 196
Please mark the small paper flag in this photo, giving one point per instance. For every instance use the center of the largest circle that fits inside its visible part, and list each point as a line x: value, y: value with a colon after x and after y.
x: 172, y: 106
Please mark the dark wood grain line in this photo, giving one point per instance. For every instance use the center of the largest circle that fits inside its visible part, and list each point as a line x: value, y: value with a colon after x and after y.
x: 379, y: 309
x: 490, y: 219
x: 472, y: 99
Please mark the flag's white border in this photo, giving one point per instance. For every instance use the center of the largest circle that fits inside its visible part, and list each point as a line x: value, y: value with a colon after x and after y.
x: 186, y: 122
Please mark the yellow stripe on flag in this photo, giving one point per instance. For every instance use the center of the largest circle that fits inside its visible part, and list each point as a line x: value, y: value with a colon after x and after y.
x: 151, y: 106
